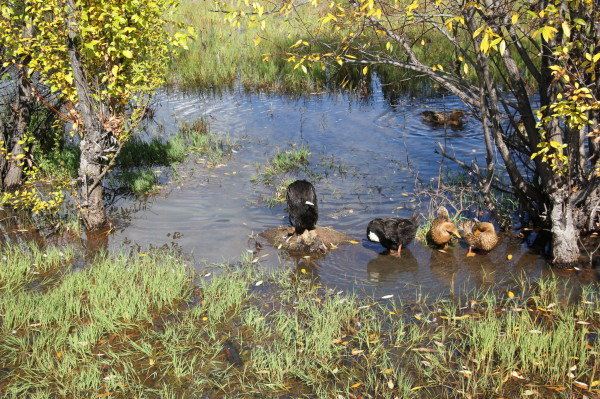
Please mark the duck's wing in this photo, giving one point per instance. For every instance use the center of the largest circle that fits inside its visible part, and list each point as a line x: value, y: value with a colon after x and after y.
x: 406, y: 229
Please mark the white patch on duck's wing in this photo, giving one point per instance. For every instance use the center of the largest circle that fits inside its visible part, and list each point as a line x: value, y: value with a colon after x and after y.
x: 309, y: 203
x: 373, y: 237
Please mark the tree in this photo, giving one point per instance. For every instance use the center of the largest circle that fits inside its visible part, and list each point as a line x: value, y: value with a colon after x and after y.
x: 104, y: 60
x: 547, y: 141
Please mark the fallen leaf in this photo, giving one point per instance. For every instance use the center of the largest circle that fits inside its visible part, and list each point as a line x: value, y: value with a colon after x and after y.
x: 387, y: 371
x: 258, y: 283
x: 517, y: 375
x: 303, y: 271
x: 470, y: 254
x: 357, y: 351
x: 390, y: 384
x: 151, y: 362
x: 583, y: 323
x: 356, y: 385
x: 529, y: 392
x: 509, y: 256
x: 510, y: 294
x: 580, y: 384
x: 387, y: 296
x: 466, y: 373
x: 354, y: 242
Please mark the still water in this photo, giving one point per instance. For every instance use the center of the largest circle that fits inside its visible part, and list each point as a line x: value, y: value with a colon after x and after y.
x: 367, y: 156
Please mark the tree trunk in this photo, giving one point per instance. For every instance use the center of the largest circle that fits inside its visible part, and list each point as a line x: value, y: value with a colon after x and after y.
x: 21, y: 109
x: 565, y: 234
x: 91, y: 190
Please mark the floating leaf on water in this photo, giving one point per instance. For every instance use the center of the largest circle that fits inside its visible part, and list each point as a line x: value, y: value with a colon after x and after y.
x: 207, y: 274
x: 354, y: 242
x: 509, y: 256
x: 387, y: 296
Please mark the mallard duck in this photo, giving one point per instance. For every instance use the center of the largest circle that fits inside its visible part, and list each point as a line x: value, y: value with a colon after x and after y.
x: 479, y: 235
x: 454, y: 118
x: 302, y: 205
x: 442, y: 229
x: 392, y: 233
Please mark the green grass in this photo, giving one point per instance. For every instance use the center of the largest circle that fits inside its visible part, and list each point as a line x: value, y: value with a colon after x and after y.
x: 283, y: 162
x: 140, y: 327
x: 222, y: 54
x: 139, y: 158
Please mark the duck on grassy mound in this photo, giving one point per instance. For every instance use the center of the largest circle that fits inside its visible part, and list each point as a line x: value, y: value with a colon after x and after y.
x: 392, y: 233
x: 479, y: 235
x: 455, y: 118
x: 442, y: 229
x: 302, y: 205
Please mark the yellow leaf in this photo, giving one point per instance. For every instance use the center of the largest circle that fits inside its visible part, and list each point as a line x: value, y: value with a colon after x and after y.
x: 357, y: 351
x: 465, y: 68
x: 356, y: 385
x: 509, y: 256
x: 566, y: 29
x: 514, y: 19
x: 502, y: 47
x: 510, y: 294
x: 365, y: 70
x: 127, y: 54
x: 354, y: 242
x: 304, y: 69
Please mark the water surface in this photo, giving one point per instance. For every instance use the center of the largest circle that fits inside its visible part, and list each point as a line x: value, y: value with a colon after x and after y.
x: 367, y: 156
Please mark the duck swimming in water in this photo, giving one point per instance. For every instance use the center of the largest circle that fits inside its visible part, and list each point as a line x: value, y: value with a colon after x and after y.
x: 392, y: 233
x: 302, y: 205
x: 455, y: 118
x: 442, y: 229
x: 479, y: 235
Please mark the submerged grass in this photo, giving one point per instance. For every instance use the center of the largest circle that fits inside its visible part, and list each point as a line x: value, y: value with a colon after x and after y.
x: 140, y: 159
x: 139, y: 327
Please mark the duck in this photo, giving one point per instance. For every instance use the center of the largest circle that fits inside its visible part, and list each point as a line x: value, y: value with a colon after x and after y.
x: 479, y: 235
x: 455, y: 118
x: 442, y: 229
x: 392, y: 233
x: 303, y: 209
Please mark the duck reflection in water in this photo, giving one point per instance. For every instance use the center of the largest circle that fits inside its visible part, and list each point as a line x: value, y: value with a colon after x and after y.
x: 389, y: 268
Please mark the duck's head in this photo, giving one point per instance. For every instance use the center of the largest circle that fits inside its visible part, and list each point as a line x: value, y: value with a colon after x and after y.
x: 442, y: 213
x: 485, y: 227
x: 451, y: 229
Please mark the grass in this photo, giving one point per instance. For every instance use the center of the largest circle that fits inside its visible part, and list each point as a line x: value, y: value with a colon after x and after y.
x: 140, y: 327
x: 283, y: 162
x: 222, y: 55
x: 140, y: 159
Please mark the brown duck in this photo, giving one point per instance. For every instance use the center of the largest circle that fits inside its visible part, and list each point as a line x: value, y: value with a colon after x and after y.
x: 442, y: 229
x: 455, y: 118
x: 479, y: 235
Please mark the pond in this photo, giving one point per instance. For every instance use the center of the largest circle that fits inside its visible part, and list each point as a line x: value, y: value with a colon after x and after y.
x: 366, y: 156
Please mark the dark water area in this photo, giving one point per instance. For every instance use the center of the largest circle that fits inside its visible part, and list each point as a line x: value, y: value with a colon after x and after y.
x: 366, y: 156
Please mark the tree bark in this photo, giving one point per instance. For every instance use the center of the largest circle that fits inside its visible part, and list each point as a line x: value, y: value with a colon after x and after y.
x: 565, y: 249
x: 21, y: 109
x: 91, y: 191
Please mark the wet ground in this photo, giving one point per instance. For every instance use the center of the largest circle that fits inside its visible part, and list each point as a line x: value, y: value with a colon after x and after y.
x: 367, y: 156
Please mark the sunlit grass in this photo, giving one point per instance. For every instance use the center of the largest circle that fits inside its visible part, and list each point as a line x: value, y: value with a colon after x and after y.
x: 145, y: 326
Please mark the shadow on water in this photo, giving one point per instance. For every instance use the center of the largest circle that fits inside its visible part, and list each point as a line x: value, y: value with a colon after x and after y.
x: 364, y: 159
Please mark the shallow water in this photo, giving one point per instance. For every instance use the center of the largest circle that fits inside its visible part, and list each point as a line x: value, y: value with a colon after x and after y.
x: 368, y: 154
